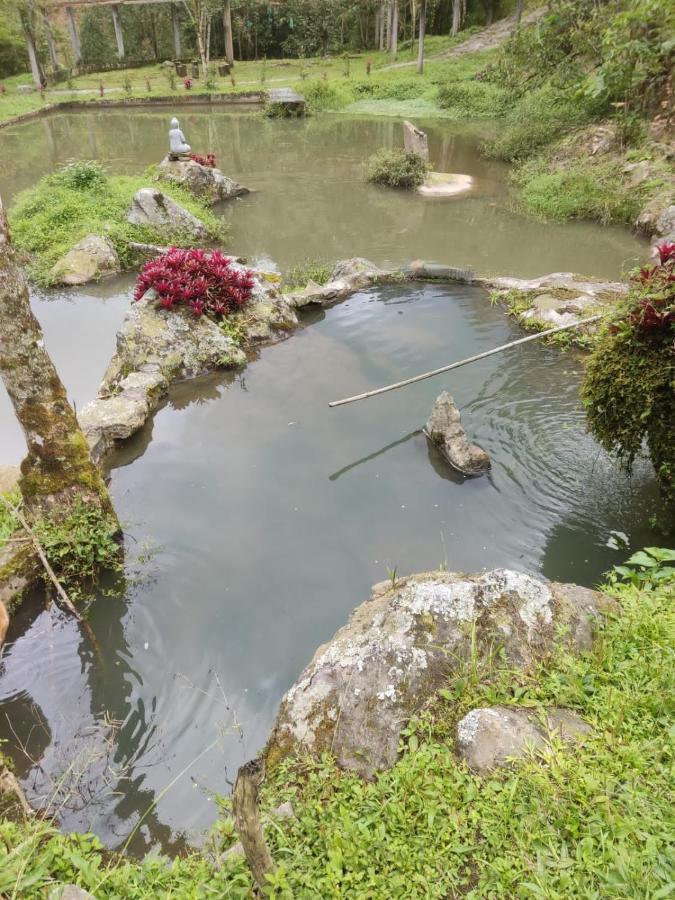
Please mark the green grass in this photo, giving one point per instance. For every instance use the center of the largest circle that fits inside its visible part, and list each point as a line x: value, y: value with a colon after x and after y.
x: 8, y: 523
x: 50, y: 218
x: 593, y: 823
x: 317, y: 270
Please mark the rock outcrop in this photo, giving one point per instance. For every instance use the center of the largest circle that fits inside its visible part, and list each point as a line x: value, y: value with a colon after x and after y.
x: 156, y: 347
x: 348, y: 276
x: 205, y: 182
x: 92, y: 258
x: 561, y: 298
x: 153, y: 208
x: 494, y: 735
x: 444, y: 430
x: 360, y: 689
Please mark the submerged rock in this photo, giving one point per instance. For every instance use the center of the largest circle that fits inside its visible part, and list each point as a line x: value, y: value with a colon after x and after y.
x: 360, y: 689
x: 205, y: 182
x: 153, y: 208
x: 445, y: 184
x: 444, y: 429
x: 491, y: 736
x: 90, y: 259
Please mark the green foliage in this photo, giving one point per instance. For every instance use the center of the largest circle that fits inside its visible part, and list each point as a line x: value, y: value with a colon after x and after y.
x: 317, y: 270
x: 397, y: 168
x: 8, y: 523
x: 321, y: 95
x: 13, y: 57
x: 473, y: 99
x: 80, y: 199
x: 629, y: 384
x: 580, y: 188
x: 81, y: 545
x: 596, y: 822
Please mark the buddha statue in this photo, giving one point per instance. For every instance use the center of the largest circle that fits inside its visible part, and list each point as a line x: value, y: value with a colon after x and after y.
x: 177, y: 143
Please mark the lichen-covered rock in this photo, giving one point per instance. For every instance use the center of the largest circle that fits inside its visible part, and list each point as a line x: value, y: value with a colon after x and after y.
x: 117, y: 416
x: 397, y: 649
x: 444, y: 430
x: 90, y: 259
x: 70, y: 892
x: 348, y: 276
x: 150, y: 207
x: 205, y: 182
x: 492, y: 736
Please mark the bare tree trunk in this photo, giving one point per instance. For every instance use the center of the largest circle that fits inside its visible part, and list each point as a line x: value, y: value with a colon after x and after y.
x: 458, y: 9
x: 422, y: 31
x: 57, y: 472
x: 393, y: 44
x: 383, y: 13
x: 35, y: 67
x: 227, y: 28
x: 378, y: 26
x: 519, y: 11
x: 247, y: 820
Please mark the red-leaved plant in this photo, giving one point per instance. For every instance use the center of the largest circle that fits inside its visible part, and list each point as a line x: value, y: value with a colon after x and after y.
x: 208, y: 160
x: 206, y: 281
x: 655, y: 288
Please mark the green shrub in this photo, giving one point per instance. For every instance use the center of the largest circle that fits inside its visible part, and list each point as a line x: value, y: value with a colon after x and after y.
x: 581, y: 189
x: 473, y: 99
x: 80, y: 199
x: 397, y: 168
x: 629, y: 384
x: 541, y: 117
x: 321, y: 95
x: 8, y: 523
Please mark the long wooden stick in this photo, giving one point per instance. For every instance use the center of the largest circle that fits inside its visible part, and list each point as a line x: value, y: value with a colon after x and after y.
x: 463, y: 362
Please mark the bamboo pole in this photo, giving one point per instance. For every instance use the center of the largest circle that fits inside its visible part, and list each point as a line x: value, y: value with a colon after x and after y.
x: 463, y: 362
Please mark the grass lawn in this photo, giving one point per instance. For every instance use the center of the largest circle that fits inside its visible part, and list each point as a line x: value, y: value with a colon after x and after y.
x: 346, y: 74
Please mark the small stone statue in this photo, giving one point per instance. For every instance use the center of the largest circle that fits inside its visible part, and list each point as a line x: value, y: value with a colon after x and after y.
x: 177, y: 143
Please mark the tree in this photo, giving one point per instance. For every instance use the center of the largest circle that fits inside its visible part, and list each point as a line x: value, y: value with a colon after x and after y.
x: 519, y: 11
x: 227, y: 29
x: 422, y: 30
x: 201, y: 14
x: 57, y: 474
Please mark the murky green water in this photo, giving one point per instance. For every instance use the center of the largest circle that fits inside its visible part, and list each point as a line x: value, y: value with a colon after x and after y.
x: 257, y: 518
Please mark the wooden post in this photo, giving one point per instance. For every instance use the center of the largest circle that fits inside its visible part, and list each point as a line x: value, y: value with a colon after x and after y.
x: 247, y: 820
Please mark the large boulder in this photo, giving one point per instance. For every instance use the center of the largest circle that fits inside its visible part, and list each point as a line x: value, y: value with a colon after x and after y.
x: 360, y: 689
x: 90, y: 259
x: 206, y: 182
x: 444, y: 430
x: 492, y: 736
x: 150, y: 207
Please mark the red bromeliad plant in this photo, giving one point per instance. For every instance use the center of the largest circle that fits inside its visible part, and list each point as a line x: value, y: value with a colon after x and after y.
x: 207, y: 282
x: 652, y: 296
x: 208, y: 160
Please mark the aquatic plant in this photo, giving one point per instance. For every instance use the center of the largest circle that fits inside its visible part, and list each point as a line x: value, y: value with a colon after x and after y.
x: 207, y: 282
x: 397, y: 168
x: 628, y: 387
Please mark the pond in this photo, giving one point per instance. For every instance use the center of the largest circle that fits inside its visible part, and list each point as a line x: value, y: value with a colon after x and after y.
x: 257, y: 518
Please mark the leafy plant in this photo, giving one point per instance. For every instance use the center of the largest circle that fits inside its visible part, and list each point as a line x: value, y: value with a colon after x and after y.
x: 208, y: 160
x: 648, y: 568
x: 208, y: 283
x: 628, y: 389
x: 79, y: 546
x: 397, y: 168
x: 317, y: 270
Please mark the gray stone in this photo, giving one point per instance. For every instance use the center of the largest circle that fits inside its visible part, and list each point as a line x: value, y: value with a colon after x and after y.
x: 348, y: 276
x: 70, y: 892
x: 90, y: 259
x: 203, y: 181
x: 445, y: 184
x: 24, y: 89
x: 9, y: 478
x: 492, y: 736
x: 444, y: 429
x: 665, y: 223
x: 360, y: 689
x: 153, y: 208
x: 415, y: 141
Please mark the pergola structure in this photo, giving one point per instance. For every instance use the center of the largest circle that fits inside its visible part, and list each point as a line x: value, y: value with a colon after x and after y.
x: 114, y: 5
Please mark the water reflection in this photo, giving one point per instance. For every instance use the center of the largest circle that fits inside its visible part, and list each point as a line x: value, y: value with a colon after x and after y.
x: 311, y: 200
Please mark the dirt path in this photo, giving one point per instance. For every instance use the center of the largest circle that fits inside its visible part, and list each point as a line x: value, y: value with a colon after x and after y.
x: 490, y: 37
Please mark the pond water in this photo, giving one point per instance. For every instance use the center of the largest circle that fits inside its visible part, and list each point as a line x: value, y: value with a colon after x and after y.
x: 257, y: 518
x: 310, y: 198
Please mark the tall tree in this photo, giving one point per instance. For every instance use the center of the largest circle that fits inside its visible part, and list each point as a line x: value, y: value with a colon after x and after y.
x: 57, y: 473
x: 393, y: 44
x: 519, y: 10
x: 227, y: 29
x: 422, y: 31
